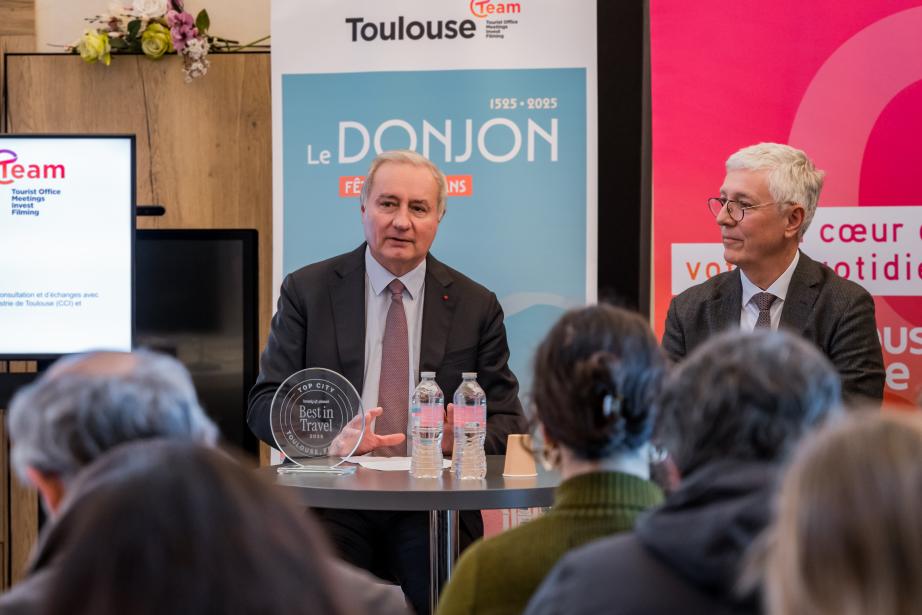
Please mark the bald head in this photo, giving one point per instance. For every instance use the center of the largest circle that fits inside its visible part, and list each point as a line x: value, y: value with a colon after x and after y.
x: 85, y: 405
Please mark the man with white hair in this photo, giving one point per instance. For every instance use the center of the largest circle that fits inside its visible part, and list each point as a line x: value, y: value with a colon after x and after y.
x: 379, y: 315
x: 766, y: 203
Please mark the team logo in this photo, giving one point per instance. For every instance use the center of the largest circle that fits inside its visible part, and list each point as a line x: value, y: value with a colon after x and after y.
x: 11, y: 169
x: 489, y: 8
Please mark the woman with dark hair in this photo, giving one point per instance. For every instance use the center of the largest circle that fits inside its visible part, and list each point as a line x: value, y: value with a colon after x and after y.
x: 846, y: 539
x: 169, y: 527
x: 596, y: 374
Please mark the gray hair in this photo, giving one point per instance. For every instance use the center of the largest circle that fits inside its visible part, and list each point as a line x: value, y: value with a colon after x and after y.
x: 406, y: 156
x: 69, y: 417
x: 792, y: 177
x: 745, y: 396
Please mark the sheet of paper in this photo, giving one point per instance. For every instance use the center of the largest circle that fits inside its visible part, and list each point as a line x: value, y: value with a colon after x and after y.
x: 388, y: 464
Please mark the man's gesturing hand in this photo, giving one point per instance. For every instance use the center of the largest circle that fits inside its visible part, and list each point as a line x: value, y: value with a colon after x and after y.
x: 370, y: 441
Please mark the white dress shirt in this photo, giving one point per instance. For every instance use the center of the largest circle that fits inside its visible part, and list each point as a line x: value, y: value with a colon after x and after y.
x: 377, y: 302
x: 779, y: 288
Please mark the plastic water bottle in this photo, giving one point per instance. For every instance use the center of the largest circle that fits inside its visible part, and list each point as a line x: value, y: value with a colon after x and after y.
x: 424, y: 424
x: 470, y: 428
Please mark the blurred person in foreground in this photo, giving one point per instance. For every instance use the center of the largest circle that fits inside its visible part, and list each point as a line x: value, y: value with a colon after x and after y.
x: 847, y: 539
x: 767, y: 201
x: 729, y: 416
x: 85, y: 405
x: 164, y: 526
x: 596, y: 375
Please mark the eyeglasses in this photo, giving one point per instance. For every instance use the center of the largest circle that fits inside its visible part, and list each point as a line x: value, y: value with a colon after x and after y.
x: 735, y: 209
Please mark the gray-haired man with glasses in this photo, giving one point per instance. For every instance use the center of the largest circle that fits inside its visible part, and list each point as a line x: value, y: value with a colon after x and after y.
x: 766, y: 203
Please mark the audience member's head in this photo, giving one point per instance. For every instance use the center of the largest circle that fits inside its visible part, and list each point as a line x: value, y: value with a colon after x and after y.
x: 596, y: 375
x: 745, y: 396
x: 85, y: 405
x: 165, y: 526
x: 847, y: 539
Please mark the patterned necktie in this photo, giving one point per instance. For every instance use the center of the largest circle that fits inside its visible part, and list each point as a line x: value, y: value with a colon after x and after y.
x: 393, y: 391
x: 764, y: 302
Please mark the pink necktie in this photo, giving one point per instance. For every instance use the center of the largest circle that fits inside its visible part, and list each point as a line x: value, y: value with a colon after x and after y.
x: 764, y: 303
x: 393, y: 387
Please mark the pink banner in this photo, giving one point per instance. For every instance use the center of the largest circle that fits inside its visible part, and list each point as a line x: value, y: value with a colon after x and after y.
x: 841, y: 80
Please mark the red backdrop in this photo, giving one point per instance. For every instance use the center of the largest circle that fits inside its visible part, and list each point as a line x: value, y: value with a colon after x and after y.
x: 840, y: 79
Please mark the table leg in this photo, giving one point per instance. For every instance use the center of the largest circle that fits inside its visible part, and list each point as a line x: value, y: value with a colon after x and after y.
x: 443, y: 551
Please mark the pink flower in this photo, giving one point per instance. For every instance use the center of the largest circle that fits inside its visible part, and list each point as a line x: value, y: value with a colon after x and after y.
x: 182, y: 28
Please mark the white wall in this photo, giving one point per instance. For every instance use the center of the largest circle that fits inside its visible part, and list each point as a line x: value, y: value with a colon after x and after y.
x: 61, y: 22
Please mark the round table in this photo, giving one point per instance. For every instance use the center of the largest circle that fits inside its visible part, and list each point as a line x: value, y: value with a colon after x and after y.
x: 442, y: 497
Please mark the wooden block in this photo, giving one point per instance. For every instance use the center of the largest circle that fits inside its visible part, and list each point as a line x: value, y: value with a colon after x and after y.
x: 23, y: 367
x: 23, y: 527
x: 4, y: 502
x: 17, y: 17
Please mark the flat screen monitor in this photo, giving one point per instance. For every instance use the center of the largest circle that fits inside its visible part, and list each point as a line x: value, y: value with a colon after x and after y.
x: 67, y: 220
x: 197, y: 300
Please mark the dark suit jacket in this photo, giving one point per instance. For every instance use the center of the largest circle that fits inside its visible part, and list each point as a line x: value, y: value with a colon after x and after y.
x: 834, y: 313
x: 320, y: 322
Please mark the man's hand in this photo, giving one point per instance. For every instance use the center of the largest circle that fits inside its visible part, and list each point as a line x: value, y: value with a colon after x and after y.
x: 448, y: 431
x: 370, y: 441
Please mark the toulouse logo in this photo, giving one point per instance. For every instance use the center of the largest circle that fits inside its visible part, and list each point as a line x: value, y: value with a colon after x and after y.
x: 10, y: 171
x: 487, y: 8
x: 402, y: 29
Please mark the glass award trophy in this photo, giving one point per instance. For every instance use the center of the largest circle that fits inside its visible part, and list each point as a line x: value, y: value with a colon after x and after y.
x: 317, y: 421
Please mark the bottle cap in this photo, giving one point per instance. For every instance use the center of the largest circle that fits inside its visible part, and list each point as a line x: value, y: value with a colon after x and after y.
x: 469, y: 375
x: 427, y: 374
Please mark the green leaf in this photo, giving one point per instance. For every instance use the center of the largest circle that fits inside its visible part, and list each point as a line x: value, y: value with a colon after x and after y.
x: 118, y: 44
x: 202, y: 22
x: 133, y: 27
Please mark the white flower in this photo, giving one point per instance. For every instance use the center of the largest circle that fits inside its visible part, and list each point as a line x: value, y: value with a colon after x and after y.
x: 149, y: 9
x: 195, y: 69
x: 196, y: 48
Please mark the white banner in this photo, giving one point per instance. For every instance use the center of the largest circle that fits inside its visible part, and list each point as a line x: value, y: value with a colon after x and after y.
x: 877, y: 247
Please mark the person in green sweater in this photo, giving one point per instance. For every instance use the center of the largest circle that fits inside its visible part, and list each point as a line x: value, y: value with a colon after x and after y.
x: 595, y: 377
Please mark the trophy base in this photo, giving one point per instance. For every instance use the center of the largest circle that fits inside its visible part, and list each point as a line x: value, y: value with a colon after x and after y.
x: 337, y: 470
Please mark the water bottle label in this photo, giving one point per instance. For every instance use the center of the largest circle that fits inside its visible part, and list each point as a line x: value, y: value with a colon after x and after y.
x: 431, y: 415
x: 467, y: 415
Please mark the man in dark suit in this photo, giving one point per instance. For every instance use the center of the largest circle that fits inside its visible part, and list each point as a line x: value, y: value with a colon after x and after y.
x: 341, y: 313
x: 766, y: 203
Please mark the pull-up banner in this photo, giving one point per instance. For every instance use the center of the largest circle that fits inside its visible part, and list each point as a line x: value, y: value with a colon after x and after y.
x: 841, y: 80
x: 500, y: 95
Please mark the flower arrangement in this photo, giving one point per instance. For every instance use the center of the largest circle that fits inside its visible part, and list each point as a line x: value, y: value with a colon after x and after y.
x: 154, y: 28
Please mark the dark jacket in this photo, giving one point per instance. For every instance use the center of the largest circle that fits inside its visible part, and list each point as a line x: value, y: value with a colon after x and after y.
x: 834, y: 313
x: 683, y: 557
x: 320, y: 322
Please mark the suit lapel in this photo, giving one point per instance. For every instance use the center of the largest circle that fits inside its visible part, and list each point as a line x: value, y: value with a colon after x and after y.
x: 347, y: 295
x: 438, y: 311
x: 802, y: 294
x: 725, y: 305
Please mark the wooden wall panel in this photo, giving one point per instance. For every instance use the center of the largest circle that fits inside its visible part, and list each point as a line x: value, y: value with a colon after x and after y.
x: 23, y: 526
x: 17, y: 34
x: 17, y: 17
x: 204, y: 148
x: 4, y: 502
x: 204, y: 152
